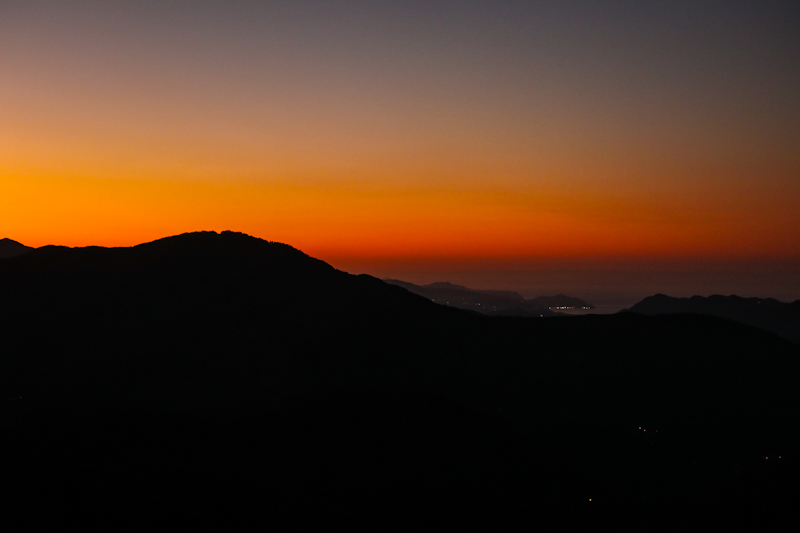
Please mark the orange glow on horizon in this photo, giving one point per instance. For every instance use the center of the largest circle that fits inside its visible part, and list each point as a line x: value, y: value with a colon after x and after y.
x: 335, y: 221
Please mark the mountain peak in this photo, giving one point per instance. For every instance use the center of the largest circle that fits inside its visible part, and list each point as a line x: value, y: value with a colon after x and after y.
x: 226, y: 241
x: 11, y: 248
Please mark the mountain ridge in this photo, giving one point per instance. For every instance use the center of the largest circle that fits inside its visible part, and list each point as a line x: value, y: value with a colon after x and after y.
x: 767, y: 313
x: 12, y: 248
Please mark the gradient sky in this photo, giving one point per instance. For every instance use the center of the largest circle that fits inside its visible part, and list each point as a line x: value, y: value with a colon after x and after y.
x: 412, y: 139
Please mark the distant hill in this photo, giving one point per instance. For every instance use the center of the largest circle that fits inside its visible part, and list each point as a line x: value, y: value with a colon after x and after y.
x: 509, y: 295
x: 559, y: 301
x: 216, y: 379
x: 9, y: 248
x: 766, y: 313
x: 504, y: 303
x: 486, y: 302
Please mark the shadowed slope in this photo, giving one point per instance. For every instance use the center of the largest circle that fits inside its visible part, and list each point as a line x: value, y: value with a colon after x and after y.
x: 186, y: 303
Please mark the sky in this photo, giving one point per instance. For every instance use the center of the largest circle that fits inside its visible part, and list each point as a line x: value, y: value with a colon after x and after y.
x: 611, y: 148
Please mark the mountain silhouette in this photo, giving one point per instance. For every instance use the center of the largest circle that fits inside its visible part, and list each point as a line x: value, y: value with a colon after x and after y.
x: 9, y: 248
x: 491, y: 302
x: 216, y: 379
x: 766, y: 313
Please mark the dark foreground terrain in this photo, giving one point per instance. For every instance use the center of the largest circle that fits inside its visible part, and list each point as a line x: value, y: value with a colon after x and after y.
x: 215, y: 380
